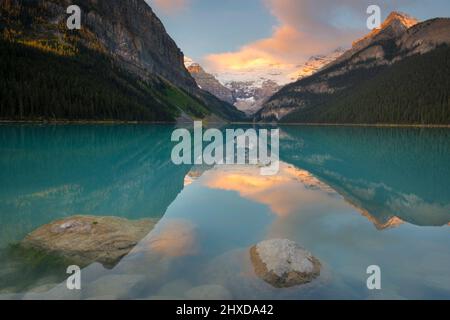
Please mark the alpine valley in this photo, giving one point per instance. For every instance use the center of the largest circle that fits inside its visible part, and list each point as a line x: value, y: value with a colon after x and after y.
x: 122, y: 65
x: 250, y: 88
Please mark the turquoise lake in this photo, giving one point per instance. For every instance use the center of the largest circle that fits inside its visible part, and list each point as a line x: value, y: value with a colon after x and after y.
x: 352, y: 196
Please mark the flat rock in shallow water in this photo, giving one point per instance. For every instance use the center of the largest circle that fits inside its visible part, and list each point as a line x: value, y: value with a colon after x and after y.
x: 283, y: 263
x: 87, y: 239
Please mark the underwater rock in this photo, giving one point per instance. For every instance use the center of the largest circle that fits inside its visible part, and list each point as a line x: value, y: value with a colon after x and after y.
x: 83, y: 240
x: 283, y: 263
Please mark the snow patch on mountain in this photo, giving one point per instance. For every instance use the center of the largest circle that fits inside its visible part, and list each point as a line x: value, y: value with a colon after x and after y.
x: 316, y: 63
x: 252, y: 87
x: 188, y: 62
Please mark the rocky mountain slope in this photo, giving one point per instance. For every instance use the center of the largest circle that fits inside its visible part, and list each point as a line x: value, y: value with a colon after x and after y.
x: 397, y: 74
x: 208, y: 82
x: 250, y: 96
x: 122, y: 58
x: 247, y: 90
x: 253, y: 87
x: 316, y: 63
x: 394, y: 26
x: 250, y: 88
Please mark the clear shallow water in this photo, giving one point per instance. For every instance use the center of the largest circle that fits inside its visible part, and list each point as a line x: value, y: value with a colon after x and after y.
x: 354, y: 197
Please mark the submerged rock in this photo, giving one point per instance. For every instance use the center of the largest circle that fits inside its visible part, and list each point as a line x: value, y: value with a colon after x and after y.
x: 83, y: 240
x: 283, y: 263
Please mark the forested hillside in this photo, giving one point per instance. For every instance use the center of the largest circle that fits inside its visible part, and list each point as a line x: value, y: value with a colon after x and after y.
x: 415, y: 90
x: 135, y: 73
x: 397, y: 74
x: 42, y: 85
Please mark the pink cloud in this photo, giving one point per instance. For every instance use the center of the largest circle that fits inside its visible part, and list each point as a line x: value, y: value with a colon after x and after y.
x: 305, y: 28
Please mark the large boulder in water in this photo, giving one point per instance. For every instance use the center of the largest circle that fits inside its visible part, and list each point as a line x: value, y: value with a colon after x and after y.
x: 83, y: 240
x: 283, y: 263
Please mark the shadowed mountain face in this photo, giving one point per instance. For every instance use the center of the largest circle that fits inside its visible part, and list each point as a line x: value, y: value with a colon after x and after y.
x: 208, y: 82
x: 390, y: 175
x: 54, y: 172
x: 120, y: 65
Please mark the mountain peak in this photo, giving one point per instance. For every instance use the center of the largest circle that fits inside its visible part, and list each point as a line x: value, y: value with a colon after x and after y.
x: 394, y: 25
x: 195, y: 68
x: 399, y: 17
x: 188, y: 62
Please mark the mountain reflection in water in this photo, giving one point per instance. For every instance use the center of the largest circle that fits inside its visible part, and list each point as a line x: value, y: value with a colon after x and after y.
x: 334, y: 185
x: 391, y: 174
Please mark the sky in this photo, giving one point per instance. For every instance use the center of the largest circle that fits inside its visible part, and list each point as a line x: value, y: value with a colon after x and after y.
x: 239, y: 34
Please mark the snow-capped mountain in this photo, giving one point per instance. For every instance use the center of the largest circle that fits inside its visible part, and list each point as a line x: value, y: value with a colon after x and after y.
x: 316, y: 63
x: 188, y: 62
x: 251, y: 95
x: 251, y: 87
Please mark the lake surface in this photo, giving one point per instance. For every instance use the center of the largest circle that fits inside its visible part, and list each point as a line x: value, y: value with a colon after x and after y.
x: 354, y: 197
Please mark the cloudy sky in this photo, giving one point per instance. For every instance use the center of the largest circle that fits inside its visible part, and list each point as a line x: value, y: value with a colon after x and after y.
x: 224, y: 34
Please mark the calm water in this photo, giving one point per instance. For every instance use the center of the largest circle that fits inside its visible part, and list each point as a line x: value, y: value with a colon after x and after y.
x: 354, y: 197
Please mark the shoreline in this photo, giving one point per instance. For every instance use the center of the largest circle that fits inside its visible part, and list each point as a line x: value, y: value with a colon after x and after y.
x: 81, y: 122
x: 117, y: 122
x: 374, y: 125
